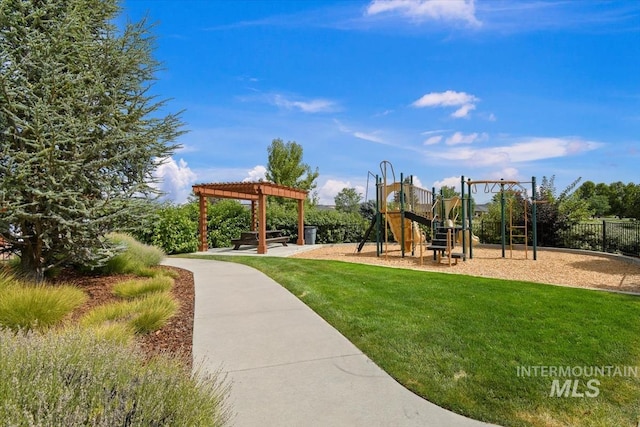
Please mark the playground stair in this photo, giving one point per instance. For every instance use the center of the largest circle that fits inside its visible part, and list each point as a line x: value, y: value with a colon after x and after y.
x: 442, y: 245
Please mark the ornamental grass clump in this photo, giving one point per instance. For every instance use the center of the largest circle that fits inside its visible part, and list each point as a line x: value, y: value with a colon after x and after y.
x: 135, y: 257
x: 74, y: 378
x: 119, y: 333
x: 139, y: 287
x: 153, y: 312
x: 143, y: 315
x: 27, y: 306
x: 6, y: 279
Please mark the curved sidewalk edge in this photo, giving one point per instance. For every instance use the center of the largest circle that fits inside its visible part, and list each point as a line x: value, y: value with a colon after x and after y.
x: 287, y: 366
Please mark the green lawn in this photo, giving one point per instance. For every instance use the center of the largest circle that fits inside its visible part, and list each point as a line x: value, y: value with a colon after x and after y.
x: 459, y: 340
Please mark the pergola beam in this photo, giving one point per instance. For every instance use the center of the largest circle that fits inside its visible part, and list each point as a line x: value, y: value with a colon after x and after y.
x: 225, y: 194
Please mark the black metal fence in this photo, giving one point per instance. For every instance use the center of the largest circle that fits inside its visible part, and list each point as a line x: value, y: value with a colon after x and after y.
x: 621, y: 237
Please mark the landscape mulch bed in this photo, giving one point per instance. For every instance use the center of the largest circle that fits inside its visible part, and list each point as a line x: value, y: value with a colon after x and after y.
x: 176, y: 337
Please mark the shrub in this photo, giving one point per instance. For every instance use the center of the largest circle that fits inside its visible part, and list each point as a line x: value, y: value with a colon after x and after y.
x: 281, y: 217
x: 25, y: 306
x: 74, y: 378
x: 226, y: 220
x: 336, y: 227
x: 332, y: 226
x: 174, y: 228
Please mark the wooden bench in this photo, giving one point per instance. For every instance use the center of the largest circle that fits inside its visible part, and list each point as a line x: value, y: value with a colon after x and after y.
x: 251, y: 238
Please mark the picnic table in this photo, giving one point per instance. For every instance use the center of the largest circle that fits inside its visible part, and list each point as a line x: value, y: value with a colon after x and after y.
x: 252, y: 238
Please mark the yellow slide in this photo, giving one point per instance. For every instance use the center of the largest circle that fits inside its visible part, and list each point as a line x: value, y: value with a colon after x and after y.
x: 396, y: 228
x: 475, y: 240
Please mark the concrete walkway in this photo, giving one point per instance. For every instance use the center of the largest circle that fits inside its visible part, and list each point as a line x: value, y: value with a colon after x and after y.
x: 286, y: 365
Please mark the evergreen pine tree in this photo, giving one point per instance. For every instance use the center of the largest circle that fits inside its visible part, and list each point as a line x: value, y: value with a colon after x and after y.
x: 80, y: 134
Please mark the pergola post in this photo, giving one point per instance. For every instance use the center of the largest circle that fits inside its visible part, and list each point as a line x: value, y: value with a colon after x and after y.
x: 254, y: 219
x: 262, y: 224
x: 202, y: 222
x: 300, y: 240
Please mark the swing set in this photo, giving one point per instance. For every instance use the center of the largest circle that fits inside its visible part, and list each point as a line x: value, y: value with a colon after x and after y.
x: 517, y: 230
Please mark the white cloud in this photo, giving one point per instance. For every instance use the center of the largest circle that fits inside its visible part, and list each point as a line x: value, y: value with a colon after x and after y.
x: 417, y: 182
x: 463, y: 111
x: 419, y: 10
x: 527, y: 16
x: 187, y: 148
x: 384, y: 113
x: 311, y: 106
x: 330, y: 189
x: 508, y: 174
x: 247, y: 79
x: 221, y: 174
x: 433, y: 140
x: 529, y: 150
x: 369, y: 137
x: 175, y: 179
x: 342, y: 127
x: 449, y: 98
x: 460, y: 138
x: 258, y: 173
x: 433, y: 132
x: 366, y: 136
x: 452, y: 181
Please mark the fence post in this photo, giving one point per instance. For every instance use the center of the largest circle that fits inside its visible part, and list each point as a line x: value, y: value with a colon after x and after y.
x: 604, y: 235
x: 502, y: 218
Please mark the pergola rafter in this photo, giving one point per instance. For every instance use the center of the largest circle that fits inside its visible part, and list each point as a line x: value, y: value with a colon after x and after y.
x: 257, y: 192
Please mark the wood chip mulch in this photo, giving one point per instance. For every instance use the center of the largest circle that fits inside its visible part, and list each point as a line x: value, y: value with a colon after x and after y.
x: 583, y: 270
x: 176, y: 337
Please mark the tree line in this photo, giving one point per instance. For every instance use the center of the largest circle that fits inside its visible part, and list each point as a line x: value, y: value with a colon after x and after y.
x: 611, y: 200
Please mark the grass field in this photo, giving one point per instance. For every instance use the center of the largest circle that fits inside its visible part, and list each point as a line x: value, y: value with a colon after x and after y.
x: 472, y: 344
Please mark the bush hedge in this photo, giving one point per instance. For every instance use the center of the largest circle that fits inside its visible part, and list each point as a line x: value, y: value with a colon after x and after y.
x: 175, y: 228
x: 332, y: 226
x: 226, y: 219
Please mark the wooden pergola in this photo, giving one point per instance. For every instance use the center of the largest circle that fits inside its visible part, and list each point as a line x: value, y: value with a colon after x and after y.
x: 257, y: 192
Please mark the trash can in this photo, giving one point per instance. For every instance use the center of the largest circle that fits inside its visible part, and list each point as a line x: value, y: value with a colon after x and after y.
x: 310, y: 234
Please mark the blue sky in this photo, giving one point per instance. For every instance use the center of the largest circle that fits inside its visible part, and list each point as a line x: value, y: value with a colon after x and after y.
x: 486, y: 89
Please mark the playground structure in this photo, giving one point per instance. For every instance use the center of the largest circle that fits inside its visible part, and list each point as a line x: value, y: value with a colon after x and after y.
x: 408, y: 211
x: 410, y: 206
